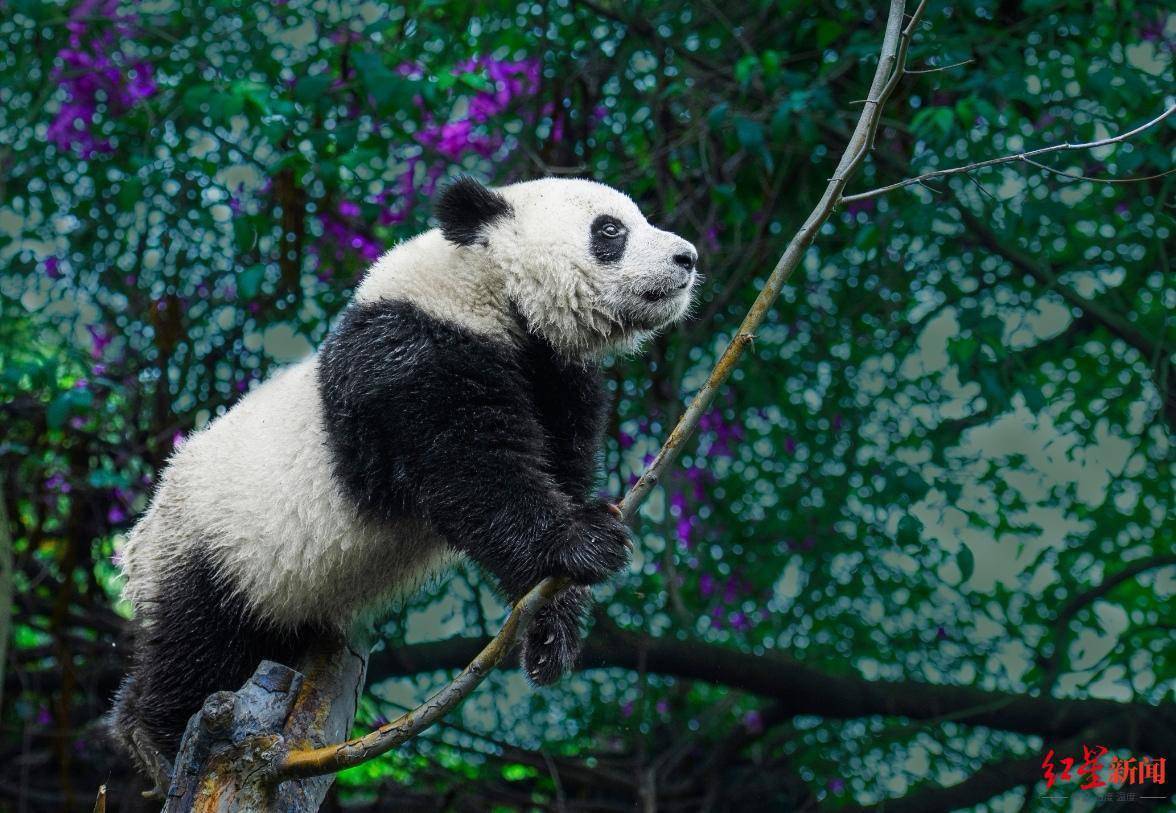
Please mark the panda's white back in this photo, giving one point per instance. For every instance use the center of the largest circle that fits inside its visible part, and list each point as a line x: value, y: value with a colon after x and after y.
x: 255, y: 489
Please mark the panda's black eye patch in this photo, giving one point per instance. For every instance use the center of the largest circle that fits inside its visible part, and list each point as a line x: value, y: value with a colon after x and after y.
x: 608, y: 240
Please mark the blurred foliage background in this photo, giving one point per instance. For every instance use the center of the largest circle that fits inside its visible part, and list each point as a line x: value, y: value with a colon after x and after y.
x: 924, y: 538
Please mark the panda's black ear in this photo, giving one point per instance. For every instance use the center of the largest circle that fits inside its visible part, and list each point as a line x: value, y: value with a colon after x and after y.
x: 465, y: 207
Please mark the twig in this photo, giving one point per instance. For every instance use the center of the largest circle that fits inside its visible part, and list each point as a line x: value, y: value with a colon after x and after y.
x: 913, y: 71
x: 333, y: 758
x: 1007, y: 159
x: 1075, y: 177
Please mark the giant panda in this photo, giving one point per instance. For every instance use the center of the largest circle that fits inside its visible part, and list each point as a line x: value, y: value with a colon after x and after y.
x: 456, y: 409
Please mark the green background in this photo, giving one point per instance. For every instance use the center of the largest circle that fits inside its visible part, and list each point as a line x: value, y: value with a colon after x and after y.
x: 923, y: 537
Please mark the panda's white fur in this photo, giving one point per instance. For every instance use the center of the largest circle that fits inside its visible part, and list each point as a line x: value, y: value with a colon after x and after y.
x: 256, y: 496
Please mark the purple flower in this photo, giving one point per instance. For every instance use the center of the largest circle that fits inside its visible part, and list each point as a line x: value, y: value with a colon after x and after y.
x: 837, y: 785
x: 99, y: 341
x: 53, y: 268
x: 116, y: 515
x: 89, y: 74
x: 627, y: 708
x: 753, y: 721
x: 706, y: 584
x: 43, y: 717
x: 856, y: 206
x: 711, y: 238
x: 662, y: 707
x: 58, y: 483
x: 626, y: 440
x: 141, y: 81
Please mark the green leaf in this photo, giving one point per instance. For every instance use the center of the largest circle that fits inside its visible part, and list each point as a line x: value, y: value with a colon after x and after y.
x: 311, y: 88
x: 244, y: 233
x: 931, y: 119
x: 717, y: 116
x: 966, y: 562
x: 909, y: 531
x: 380, y: 83
x: 196, y: 99
x: 745, y: 68
x: 827, y: 32
x: 476, y: 81
x: 750, y: 133
x: 781, y: 120
x: 249, y: 281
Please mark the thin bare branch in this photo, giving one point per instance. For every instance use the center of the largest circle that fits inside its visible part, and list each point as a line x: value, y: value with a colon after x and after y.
x: 1008, y: 159
x: 333, y: 758
x: 1074, y: 177
x: 914, y: 71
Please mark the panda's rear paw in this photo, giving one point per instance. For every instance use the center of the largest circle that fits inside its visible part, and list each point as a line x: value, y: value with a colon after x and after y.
x: 552, y: 644
x: 593, y: 547
x: 545, y: 663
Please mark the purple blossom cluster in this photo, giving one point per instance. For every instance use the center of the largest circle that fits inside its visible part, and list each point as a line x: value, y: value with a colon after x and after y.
x: 95, y: 71
x: 348, y: 235
x: 453, y: 138
x: 722, y: 432
x: 444, y: 141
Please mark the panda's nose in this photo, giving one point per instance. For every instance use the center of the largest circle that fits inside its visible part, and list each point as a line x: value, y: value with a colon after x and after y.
x: 686, y: 259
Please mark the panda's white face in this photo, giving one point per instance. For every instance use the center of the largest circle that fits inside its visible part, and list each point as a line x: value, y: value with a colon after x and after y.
x: 579, y: 260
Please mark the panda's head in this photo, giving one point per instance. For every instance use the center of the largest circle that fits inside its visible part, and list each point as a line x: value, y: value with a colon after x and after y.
x: 579, y: 261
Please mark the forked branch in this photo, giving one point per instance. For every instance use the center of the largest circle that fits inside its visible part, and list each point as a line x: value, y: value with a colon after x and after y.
x: 1024, y: 157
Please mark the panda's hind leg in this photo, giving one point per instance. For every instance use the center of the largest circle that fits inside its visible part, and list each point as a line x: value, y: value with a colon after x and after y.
x: 197, y: 637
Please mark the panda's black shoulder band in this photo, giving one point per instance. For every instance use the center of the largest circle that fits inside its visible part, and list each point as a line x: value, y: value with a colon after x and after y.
x: 466, y: 207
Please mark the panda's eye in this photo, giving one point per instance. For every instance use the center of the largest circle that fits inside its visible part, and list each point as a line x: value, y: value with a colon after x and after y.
x: 610, y: 228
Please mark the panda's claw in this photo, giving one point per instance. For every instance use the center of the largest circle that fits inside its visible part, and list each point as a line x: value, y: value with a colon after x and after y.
x: 550, y: 640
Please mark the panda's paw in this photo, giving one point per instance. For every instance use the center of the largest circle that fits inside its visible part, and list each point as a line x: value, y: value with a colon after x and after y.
x: 595, y: 545
x: 552, y: 643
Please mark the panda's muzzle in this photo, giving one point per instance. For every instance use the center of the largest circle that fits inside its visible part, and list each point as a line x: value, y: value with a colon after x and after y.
x: 680, y: 278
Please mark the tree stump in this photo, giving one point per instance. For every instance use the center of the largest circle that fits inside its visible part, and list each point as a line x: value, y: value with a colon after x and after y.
x: 232, y: 746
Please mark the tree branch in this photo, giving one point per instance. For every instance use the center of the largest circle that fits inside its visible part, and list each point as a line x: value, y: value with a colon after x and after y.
x: 801, y: 689
x: 891, y: 62
x: 1007, y: 159
x: 1117, y: 325
x: 993, y: 778
x: 1061, y: 630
